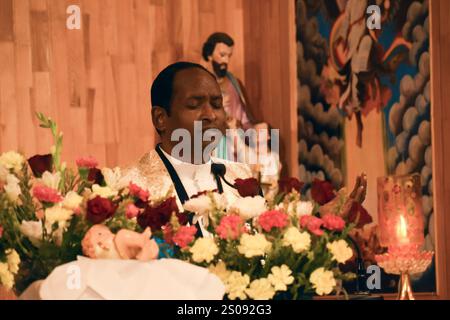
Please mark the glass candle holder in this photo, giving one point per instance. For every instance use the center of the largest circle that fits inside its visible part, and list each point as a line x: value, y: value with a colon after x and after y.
x: 400, y: 213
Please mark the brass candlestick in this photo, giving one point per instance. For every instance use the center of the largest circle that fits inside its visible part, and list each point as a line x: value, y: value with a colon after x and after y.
x: 404, y: 288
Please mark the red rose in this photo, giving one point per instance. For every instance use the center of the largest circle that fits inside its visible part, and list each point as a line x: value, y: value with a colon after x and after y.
x: 359, y: 215
x: 183, y: 218
x: 288, y: 184
x: 95, y: 176
x: 41, y: 163
x: 322, y: 191
x: 247, y: 187
x: 158, y: 216
x: 333, y: 222
x: 168, y: 234
x: 99, y: 209
x: 312, y: 223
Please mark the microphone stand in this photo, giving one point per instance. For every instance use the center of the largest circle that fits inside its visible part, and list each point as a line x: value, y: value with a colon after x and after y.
x: 361, y: 294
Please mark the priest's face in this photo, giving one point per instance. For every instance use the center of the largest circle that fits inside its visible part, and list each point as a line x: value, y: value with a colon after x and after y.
x: 220, y: 59
x: 197, y: 97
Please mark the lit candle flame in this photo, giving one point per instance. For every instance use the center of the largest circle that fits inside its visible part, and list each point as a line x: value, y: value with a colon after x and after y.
x: 402, y: 230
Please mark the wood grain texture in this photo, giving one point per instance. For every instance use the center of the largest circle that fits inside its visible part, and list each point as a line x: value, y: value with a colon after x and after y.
x: 95, y: 82
x: 271, y: 71
x: 440, y: 113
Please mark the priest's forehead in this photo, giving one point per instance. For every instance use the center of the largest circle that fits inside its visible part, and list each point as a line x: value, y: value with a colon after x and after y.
x: 195, y: 82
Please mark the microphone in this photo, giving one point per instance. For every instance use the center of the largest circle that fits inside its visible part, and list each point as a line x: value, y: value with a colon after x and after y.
x: 219, y: 170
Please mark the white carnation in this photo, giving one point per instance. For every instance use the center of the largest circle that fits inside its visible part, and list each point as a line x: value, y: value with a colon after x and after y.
x: 12, y: 160
x: 322, y: 281
x: 104, y: 192
x: 57, y: 214
x: 304, y: 208
x: 340, y: 250
x: 72, y: 200
x: 249, y: 207
x: 33, y: 231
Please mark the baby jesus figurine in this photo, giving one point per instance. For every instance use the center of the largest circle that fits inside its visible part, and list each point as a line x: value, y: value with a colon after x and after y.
x: 100, y: 243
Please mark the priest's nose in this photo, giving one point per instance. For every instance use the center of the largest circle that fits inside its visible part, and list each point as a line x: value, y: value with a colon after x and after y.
x: 208, y: 114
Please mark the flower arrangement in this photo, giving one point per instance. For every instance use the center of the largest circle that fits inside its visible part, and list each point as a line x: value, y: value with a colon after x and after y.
x: 278, y: 248
x: 45, y: 213
x: 283, y: 248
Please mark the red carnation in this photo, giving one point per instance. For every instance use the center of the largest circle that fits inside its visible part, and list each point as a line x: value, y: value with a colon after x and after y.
x: 287, y: 185
x: 87, y: 162
x: 322, y: 191
x: 312, y: 223
x: 359, y: 215
x: 138, y: 192
x: 46, y: 194
x: 273, y: 219
x: 158, y: 216
x: 333, y: 222
x: 231, y: 227
x: 247, y: 187
x: 184, y: 236
x: 100, y: 209
x: 41, y: 163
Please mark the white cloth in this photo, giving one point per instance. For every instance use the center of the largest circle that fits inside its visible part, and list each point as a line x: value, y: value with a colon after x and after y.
x: 165, y: 279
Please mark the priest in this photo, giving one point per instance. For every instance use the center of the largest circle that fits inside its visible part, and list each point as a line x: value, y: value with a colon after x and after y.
x: 187, y: 103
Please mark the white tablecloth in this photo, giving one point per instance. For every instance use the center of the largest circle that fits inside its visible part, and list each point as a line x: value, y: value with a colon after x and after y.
x: 165, y: 279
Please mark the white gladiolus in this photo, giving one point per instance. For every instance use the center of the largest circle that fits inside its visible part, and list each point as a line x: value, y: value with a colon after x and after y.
x: 113, y: 178
x: 12, y: 188
x: 51, y: 180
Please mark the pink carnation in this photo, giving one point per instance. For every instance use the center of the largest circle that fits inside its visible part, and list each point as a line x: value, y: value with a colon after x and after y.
x: 138, y: 192
x: 312, y: 223
x: 184, y: 236
x: 46, y: 194
x: 230, y: 227
x: 87, y: 162
x: 333, y: 222
x: 131, y: 211
x: 273, y: 219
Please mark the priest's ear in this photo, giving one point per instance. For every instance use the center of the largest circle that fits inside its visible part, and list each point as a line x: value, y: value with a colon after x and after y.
x: 159, y: 118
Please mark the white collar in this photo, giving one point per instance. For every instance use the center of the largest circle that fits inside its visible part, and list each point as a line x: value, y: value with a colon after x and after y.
x: 189, y: 170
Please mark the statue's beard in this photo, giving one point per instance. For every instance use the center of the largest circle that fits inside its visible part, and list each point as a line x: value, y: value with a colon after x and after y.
x: 220, y: 69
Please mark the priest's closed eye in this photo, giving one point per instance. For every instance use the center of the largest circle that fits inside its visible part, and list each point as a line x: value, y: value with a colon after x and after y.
x: 216, y: 102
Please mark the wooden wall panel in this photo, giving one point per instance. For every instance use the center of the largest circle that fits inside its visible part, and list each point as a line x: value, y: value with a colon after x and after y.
x: 271, y: 71
x: 95, y: 82
x: 440, y: 113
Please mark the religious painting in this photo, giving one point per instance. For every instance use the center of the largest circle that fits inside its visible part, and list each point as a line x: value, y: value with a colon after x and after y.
x: 364, y: 103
